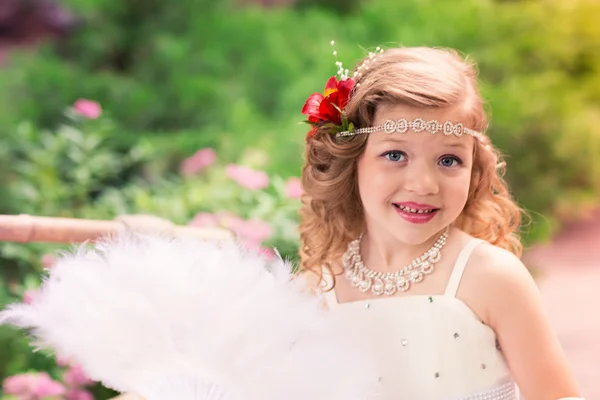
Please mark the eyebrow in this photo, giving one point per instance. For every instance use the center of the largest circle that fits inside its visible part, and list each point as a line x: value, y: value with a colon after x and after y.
x: 460, y: 145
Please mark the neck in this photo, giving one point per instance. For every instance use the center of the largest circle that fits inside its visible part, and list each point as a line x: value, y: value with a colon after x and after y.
x: 384, y: 254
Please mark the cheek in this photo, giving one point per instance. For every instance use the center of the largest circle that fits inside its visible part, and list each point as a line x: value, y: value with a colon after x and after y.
x: 364, y: 183
x: 371, y: 181
x: 456, y: 190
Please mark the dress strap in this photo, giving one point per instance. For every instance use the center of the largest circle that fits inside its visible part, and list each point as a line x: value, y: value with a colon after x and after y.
x: 459, y: 267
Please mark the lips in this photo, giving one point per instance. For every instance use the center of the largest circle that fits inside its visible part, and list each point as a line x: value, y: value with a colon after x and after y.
x: 415, y: 208
x: 415, y: 212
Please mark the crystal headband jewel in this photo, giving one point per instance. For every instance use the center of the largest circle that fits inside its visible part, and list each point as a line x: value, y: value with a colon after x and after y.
x: 417, y: 125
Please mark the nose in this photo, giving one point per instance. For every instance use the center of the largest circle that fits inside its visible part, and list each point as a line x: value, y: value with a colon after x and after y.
x: 422, y: 179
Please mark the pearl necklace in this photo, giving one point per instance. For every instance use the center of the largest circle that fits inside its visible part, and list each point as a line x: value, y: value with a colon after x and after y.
x: 389, y: 283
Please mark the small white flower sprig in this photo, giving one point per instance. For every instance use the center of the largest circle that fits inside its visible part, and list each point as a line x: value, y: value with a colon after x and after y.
x: 343, y: 72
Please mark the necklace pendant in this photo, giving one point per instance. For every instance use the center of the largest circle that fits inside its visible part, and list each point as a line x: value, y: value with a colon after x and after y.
x: 426, y: 267
x: 389, y: 287
x: 365, y: 285
x: 378, y: 287
x: 403, y: 284
x: 346, y: 258
x: 356, y: 279
x: 416, y: 276
x: 435, y: 256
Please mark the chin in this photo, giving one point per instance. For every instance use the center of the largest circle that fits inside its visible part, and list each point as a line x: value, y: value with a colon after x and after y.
x: 413, y: 238
x: 418, y: 233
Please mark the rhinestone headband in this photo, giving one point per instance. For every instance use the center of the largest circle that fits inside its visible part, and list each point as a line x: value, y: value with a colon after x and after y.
x: 417, y: 125
x: 326, y: 111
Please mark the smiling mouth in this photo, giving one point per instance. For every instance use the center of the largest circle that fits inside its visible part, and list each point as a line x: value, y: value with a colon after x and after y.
x: 414, y: 210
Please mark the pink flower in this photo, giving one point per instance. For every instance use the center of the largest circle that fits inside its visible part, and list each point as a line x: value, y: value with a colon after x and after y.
x: 46, y: 387
x: 248, y: 177
x: 253, y: 232
x: 29, y: 296
x: 87, y: 108
x: 18, y: 385
x: 48, y: 261
x: 293, y: 188
x: 231, y: 221
x: 33, y: 386
x: 257, y: 231
x: 204, y: 220
x: 62, y: 361
x: 201, y: 159
x: 266, y: 252
x: 75, y: 377
x: 79, y: 394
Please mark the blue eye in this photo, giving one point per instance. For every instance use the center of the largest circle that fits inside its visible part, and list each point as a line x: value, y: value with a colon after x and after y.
x: 450, y: 161
x: 394, y: 155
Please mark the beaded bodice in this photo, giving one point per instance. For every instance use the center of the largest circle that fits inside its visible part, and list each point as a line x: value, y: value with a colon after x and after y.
x: 429, y: 347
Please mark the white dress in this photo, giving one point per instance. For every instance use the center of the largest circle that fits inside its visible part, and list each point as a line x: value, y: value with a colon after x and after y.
x: 430, y: 347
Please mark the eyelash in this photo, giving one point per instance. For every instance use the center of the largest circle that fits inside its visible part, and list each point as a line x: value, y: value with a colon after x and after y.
x: 458, y: 160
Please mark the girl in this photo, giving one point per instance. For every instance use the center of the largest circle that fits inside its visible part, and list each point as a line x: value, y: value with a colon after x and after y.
x: 412, y: 234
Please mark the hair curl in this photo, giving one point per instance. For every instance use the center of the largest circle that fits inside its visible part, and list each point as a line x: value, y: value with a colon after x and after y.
x: 423, y: 77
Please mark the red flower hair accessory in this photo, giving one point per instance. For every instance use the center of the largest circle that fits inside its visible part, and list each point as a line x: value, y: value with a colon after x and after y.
x: 326, y: 111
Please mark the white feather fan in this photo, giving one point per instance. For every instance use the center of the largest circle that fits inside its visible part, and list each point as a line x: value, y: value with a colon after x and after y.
x: 192, y: 320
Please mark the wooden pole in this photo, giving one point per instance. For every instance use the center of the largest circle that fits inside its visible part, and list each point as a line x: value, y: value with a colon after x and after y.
x: 26, y: 228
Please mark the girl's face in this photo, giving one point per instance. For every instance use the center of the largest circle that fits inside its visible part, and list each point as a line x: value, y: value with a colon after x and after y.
x: 413, y: 185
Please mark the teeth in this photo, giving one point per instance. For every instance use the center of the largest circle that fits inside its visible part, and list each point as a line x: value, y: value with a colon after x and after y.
x: 413, y: 211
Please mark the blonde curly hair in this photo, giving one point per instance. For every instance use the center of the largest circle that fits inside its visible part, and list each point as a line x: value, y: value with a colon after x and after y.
x: 422, y: 77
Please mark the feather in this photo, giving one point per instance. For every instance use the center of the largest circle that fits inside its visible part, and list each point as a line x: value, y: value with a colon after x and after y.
x: 193, y: 320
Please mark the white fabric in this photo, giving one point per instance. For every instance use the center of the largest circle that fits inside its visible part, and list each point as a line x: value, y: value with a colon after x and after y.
x: 429, y: 347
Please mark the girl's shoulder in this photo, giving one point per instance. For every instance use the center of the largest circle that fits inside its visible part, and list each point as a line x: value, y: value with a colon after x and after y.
x: 489, y: 261
x: 498, y: 280
x: 505, y: 292
x: 492, y: 264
